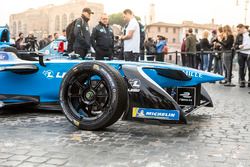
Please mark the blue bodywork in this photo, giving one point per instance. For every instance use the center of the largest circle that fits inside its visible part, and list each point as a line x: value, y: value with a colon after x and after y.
x: 4, y: 37
x: 45, y: 83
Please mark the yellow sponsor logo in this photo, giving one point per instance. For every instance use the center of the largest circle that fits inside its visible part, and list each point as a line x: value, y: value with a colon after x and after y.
x: 96, y: 67
x: 77, y: 123
x: 134, y: 112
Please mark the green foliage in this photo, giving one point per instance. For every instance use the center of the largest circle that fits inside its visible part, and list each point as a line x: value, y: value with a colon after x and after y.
x: 117, y: 18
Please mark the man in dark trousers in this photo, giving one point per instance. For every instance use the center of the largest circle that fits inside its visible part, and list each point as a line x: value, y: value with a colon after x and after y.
x: 82, y: 34
x: 131, y: 37
x: 102, y: 39
x: 191, y: 48
x: 243, y: 44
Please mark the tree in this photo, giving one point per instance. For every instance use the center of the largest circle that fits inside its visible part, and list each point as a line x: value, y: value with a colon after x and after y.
x: 117, y: 18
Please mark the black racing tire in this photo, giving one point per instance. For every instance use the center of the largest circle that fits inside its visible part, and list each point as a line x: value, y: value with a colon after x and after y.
x: 93, y: 95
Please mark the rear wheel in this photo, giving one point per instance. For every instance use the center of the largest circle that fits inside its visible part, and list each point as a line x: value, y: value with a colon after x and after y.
x: 93, y: 95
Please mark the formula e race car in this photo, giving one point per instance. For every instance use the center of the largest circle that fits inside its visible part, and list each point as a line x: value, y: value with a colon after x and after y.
x: 94, y: 95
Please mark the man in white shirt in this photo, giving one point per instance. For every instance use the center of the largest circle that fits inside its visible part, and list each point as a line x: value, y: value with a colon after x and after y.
x: 243, y: 43
x: 131, y: 37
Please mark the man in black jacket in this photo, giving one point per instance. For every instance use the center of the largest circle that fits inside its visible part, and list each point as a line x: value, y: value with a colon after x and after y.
x: 243, y: 42
x: 82, y: 34
x: 102, y: 39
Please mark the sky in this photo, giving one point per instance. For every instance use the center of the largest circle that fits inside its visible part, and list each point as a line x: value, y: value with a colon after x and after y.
x: 170, y: 11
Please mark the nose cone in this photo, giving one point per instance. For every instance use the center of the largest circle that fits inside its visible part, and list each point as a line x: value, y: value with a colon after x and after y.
x: 210, y: 77
x: 199, y: 76
x: 202, y: 76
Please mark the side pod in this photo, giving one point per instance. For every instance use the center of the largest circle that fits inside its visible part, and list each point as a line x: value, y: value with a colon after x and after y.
x: 147, y: 96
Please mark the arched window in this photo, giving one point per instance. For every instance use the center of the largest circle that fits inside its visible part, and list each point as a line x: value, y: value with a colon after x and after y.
x: 57, y: 23
x: 71, y: 17
x: 64, y: 21
x: 14, y: 29
x: 19, y: 26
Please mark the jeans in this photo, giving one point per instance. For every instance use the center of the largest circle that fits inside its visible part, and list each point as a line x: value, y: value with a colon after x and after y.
x: 183, y: 59
x: 130, y: 56
x: 227, y: 58
x: 218, y: 64
x: 210, y: 64
x: 159, y: 57
x: 191, y: 59
x: 205, y: 62
x: 81, y: 51
x: 100, y: 54
x: 243, y: 59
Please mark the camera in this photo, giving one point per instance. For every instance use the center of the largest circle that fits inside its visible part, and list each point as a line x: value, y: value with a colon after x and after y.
x: 31, y: 43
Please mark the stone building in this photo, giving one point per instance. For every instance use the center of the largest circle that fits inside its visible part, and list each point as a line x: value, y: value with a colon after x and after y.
x: 175, y: 33
x: 52, y: 18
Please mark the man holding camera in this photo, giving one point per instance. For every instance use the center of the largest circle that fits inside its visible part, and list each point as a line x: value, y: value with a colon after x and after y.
x: 31, y: 43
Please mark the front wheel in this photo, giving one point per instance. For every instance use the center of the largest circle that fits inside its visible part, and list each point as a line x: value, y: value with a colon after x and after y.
x: 93, y: 95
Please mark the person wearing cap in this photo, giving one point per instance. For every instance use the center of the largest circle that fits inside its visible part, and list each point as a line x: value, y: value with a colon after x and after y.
x: 82, y: 34
x: 102, y: 39
x: 131, y: 37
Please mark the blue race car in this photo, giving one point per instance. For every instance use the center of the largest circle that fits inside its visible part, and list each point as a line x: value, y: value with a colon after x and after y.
x: 94, y: 95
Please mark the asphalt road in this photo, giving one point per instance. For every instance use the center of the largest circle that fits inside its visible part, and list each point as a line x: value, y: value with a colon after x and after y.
x: 218, y: 136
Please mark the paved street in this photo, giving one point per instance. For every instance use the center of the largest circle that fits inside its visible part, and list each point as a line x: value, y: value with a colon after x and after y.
x: 218, y: 136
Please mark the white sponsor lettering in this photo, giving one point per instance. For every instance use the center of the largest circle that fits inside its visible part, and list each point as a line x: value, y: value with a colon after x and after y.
x: 193, y: 74
x: 49, y: 74
x: 60, y: 75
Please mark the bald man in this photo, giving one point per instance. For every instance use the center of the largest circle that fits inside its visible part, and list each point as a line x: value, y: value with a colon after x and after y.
x: 102, y: 39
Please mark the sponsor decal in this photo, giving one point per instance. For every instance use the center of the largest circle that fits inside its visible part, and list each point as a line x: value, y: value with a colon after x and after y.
x: 186, y: 96
x: 75, y: 69
x: 47, y: 52
x: 149, y: 113
x: 4, y: 56
x: 1, y: 104
x: 108, y: 77
x: 77, y: 123
x: 96, y: 67
x: 135, y: 85
x: 49, y: 74
x: 193, y: 74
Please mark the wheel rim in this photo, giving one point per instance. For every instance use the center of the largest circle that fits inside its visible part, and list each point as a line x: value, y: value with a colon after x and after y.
x: 88, y: 96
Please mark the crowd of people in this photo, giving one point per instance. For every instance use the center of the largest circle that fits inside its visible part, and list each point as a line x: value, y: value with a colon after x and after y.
x: 213, y: 55
x: 30, y: 43
x: 217, y: 54
x: 213, y: 52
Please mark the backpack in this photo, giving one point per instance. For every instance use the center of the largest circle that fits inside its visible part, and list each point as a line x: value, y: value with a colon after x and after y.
x: 165, y: 49
x: 70, y: 35
x: 142, y: 35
